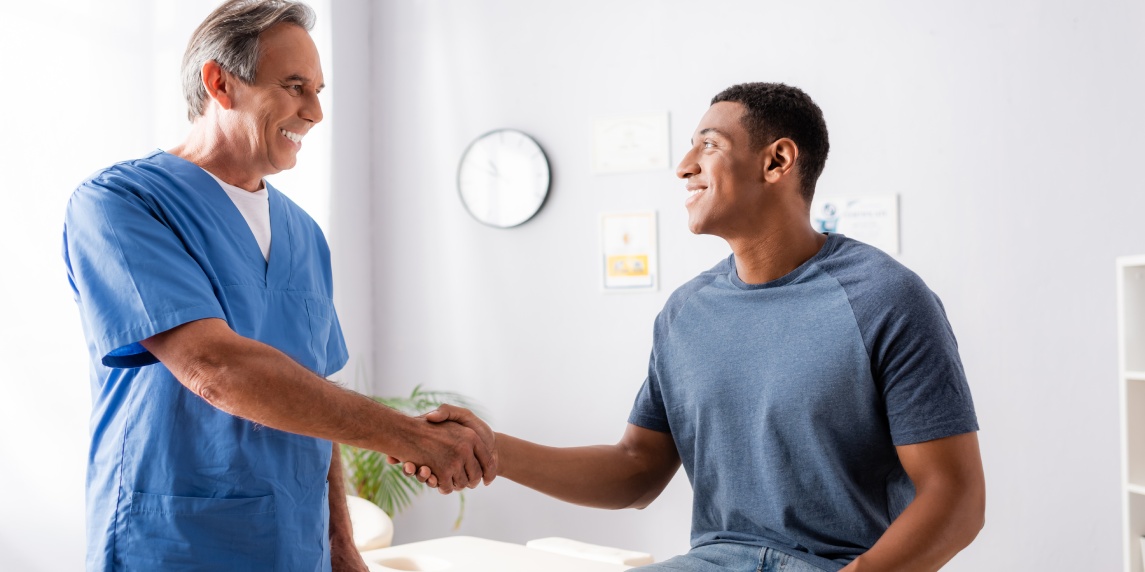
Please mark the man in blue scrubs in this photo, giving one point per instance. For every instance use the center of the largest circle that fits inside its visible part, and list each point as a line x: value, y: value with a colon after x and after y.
x: 809, y: 384
x: 206, y: 300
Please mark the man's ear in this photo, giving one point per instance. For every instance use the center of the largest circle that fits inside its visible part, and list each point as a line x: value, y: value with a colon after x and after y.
x: 779, y: 159
x: 218, y: 83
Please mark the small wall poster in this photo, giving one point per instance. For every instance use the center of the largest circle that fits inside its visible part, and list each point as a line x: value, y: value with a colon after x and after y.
x: 628, y: 251
x: 633, y: 143
x: 870, y: 219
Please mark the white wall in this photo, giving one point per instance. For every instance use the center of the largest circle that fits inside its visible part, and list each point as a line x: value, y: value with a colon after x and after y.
x: 1009, y: 130
x: 350, y: 194
x: 84, y: 98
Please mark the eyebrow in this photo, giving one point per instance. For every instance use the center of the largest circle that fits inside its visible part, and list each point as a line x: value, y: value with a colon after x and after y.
x: 296, y: 77
x: 709, y: 130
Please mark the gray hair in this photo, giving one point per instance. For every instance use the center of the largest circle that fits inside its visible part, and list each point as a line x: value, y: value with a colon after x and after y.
x: 229, y: 36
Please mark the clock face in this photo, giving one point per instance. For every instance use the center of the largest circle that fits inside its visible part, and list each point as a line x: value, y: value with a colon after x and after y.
x: 503, y: 178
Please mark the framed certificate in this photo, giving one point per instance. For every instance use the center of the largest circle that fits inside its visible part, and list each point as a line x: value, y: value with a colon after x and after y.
x: 628, y: 251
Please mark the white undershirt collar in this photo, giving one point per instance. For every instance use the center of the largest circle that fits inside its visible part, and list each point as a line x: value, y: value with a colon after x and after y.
x: 255, y: 208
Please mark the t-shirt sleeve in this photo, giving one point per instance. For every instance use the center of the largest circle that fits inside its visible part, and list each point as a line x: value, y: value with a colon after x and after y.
x: 914, y: 359
x: 648, y: 410
x: 131, y: 275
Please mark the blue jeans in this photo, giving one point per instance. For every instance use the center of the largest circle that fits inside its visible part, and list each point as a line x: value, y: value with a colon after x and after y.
x: 730, y: 557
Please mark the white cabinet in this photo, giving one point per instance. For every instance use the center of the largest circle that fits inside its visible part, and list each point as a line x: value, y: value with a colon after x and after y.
x: 1131, y: 369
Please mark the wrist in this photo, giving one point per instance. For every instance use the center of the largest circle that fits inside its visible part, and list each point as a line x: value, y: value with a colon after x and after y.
x: 503, y: 449
x: 396, y: 434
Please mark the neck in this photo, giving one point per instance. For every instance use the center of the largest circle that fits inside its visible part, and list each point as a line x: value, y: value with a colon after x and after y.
x: 775, y: 252
x: 208, y: 147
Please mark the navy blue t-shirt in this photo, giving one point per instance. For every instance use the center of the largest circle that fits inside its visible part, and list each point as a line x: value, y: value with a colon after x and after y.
x: 786, y: 399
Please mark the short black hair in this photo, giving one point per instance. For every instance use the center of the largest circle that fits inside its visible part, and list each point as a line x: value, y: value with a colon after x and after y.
x: 773, y: 111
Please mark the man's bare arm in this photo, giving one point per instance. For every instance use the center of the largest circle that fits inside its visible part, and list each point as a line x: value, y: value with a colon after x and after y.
x: 946, y: 514
x: 252, y: 380
x: 629, y: 474
x: 344, y: 555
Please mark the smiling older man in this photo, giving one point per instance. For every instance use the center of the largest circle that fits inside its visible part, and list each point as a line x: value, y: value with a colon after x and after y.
x: 206, y: 301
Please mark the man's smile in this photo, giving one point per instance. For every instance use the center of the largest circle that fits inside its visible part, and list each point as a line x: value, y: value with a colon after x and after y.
x: 295, y: 137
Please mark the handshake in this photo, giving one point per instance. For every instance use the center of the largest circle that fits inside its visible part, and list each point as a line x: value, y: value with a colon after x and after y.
x: 450, y: 449
x: 458, y: 448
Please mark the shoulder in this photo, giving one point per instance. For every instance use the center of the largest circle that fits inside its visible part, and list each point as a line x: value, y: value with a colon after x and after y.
x: 119, y: 187
x: 870, y: 276
x: 148, y: 165
x: 893, y: 307
x: 684, y: 293
x: 144, y: 177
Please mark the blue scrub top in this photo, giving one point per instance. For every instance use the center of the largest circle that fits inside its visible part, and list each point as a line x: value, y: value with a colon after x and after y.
x: 174, y: 483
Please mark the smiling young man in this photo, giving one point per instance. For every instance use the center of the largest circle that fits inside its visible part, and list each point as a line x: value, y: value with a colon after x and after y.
x: 206, y: 301
x: 809, y: 384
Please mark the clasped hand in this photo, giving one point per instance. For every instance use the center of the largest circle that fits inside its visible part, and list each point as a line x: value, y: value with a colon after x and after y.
x: 467, y: 467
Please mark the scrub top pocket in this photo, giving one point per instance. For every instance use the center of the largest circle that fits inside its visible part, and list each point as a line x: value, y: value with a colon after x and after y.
x: 321, y: 316
x: 188, y: 533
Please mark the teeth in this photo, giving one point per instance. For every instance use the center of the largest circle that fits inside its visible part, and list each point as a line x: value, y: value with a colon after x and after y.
x: 291, y: 135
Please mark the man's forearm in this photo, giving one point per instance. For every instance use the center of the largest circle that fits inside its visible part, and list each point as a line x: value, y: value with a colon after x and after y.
x: 344, y: 553
x: 252, y: 380
x: 924, y: 537
x: 340, y: 526
x: 600, y: 476
x: 946, y: 514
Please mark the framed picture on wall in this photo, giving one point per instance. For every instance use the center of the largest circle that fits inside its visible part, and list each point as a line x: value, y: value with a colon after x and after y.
x: 632, y: 143
x: 871, y: 219
x: 628, y: 251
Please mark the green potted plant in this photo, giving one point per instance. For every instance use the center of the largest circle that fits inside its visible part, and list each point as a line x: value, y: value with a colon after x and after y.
x: 370, y: 477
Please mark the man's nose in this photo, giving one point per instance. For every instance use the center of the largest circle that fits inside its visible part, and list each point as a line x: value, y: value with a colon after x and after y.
x: 688, y: 165
x: 312, y: 108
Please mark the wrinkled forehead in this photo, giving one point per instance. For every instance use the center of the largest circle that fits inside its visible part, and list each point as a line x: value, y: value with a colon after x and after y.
x: 287, y: 51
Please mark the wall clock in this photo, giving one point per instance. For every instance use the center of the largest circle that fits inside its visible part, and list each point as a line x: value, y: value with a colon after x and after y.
x: 503, y: 178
